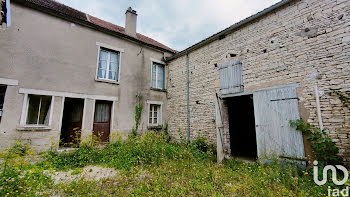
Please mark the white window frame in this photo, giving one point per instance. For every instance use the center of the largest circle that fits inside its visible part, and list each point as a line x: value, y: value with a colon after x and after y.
x: 24, y: 115
x: 109, y: 48
x: 159, y: 113
x: 8, y: 14
x: 153, y: 60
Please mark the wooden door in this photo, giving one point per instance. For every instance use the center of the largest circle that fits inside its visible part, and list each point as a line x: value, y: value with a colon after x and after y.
x: 102, y: 120
x: 273, y: 110
x: 72, y: 122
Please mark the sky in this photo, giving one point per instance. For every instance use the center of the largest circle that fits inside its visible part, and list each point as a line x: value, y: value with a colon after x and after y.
x: 178, y: 23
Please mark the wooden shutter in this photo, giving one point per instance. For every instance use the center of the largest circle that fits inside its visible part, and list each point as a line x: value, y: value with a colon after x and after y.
x: 231, y: 77
x: 273, y: 109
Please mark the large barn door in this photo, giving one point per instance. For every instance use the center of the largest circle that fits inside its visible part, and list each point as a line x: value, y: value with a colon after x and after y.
x: 273, y: 109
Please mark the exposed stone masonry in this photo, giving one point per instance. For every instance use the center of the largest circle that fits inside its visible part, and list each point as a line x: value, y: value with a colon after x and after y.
x: 297, y: 43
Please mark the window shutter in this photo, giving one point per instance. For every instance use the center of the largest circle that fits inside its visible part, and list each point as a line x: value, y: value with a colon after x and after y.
x: 273, y: 109
x: 231, y: 77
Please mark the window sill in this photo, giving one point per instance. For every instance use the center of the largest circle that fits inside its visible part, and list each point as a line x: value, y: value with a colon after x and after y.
x: 107, y: 81
x: 159, y: 90
x: 34, y: 128
x: 155, y: 127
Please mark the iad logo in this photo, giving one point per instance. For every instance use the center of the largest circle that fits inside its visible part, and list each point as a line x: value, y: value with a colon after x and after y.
x: 332, y: 192
x: 334, y: 174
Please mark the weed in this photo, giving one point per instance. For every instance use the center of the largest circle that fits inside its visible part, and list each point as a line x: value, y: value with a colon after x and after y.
x: 323, y: 147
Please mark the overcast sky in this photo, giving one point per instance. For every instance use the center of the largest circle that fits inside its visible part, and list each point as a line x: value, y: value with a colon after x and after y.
x: 177, y: 23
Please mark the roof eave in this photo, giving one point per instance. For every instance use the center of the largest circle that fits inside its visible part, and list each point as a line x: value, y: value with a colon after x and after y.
x: 89, y: 24
x: 229, y: 30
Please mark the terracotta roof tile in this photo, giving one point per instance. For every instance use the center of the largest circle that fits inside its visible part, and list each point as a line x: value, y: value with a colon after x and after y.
x: 76, y: 14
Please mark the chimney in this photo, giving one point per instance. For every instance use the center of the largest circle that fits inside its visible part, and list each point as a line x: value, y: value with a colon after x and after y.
x: 130, y: 22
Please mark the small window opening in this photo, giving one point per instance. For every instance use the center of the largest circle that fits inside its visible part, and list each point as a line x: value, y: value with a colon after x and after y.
x: 154, y: 115
x: 233, y: 55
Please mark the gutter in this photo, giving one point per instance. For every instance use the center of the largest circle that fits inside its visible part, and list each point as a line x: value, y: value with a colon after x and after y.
x: 188, y: 99
x: 222, y: 34
x: 88, y: 24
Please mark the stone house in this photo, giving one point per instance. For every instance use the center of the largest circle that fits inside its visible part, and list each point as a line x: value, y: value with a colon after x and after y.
x: 63, y: 71
x: 242, y: 84
x: 278, y: 65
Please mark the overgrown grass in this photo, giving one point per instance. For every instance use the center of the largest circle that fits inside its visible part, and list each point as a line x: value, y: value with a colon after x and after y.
x: 151, y: 166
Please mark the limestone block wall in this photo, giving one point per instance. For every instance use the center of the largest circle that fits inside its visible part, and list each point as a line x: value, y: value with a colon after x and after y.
x: 297, y: 43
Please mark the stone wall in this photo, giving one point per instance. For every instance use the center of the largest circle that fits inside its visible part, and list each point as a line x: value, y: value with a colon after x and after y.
x: 296, y: 43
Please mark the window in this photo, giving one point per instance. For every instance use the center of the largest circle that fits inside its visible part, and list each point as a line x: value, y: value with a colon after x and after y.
x: 108, y: 65
x: 5, y: 16
x: 154, y: 115
x: 38, y: 111
x: 158, y: 76
x: 2, y: 98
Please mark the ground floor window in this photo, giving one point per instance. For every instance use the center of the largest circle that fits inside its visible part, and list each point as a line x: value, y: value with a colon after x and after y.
x: 38, y: 111
x: 154, y: 115
x: 2, y: 99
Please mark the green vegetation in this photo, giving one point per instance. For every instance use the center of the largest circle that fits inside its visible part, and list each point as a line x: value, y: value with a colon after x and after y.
x: 149, y: 165
x: 138, y: 112
x: 343, y: 98
x: 322, y: 145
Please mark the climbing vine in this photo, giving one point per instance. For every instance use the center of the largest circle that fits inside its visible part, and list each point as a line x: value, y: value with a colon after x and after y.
x: 323, y: 147
x: 138, y: 112
x: 344, y: 98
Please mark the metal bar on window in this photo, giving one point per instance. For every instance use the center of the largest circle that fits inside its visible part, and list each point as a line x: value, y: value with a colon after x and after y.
x: 37, y: 120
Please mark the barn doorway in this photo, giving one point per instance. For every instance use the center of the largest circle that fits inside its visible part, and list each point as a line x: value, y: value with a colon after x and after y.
x: 72, y: 122
x: 242, y: 127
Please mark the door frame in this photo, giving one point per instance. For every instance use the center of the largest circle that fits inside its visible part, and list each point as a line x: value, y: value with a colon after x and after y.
x: 226, y: 129
x: 62, y: 113
x: 295, y: 85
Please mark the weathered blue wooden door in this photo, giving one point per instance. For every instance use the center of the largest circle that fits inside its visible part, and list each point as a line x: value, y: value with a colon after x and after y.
x: 273, y: 108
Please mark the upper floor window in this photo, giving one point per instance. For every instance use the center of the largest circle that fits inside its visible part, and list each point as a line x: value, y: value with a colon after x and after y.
x: 158, y: 76
x: 108, y: 65
x: 38, y: 110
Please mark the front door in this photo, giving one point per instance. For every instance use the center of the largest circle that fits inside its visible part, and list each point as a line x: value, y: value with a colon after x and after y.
x: 102, y: 120
x: 72, y: 122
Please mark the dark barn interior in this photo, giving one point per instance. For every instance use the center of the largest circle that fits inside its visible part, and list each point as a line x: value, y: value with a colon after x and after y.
x: 242, y: 127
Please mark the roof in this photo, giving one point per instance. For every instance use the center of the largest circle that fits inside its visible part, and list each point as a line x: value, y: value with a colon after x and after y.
x: 60, y: 10
x: 230, y: 29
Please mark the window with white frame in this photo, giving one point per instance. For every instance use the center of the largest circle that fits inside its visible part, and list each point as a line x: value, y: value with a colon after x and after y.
x: 158, y: 76
x: 5, y: 14
x: 108, y: 65
x: 38, y: 110
x: 154, y: 115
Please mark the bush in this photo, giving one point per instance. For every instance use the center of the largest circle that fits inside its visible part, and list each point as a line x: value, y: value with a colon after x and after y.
x: 322, y: 145
x: 201, y: 149
x: 151, y: 148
